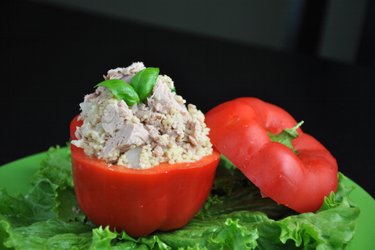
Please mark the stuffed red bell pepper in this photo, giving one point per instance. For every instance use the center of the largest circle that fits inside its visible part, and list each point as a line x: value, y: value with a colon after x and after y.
x: 263, y: 141
x: 142, y: 160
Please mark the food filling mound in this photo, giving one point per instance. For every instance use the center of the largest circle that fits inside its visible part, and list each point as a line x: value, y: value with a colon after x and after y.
x: 160, y: 129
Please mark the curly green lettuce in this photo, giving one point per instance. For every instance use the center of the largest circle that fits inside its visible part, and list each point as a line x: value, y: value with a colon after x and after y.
x: 234, y: 217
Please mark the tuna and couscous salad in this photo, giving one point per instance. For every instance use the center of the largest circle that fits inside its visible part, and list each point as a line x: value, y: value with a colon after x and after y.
x: 162, y: 128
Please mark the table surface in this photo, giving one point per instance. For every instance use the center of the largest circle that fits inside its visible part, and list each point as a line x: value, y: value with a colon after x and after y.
x: 52, y: 57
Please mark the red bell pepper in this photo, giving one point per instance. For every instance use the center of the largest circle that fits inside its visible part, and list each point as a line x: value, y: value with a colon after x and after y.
x: 164, y: 197
x: 299, y: 176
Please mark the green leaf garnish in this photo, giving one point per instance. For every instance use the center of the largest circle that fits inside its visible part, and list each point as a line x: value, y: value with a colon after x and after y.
x: 121, y: 90
x: 144, y: 81
x: 139, y: 88
x: 286, y: 136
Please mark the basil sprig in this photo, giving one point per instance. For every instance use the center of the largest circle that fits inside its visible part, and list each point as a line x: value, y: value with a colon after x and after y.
x: 121, y: 90
x: 139, y: 88
x: 144, y: 81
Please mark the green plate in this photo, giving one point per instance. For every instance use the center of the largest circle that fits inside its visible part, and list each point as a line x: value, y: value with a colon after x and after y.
x: 15, y: 177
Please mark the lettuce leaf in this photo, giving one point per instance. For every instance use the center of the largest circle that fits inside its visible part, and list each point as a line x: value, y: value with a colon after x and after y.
x: 33, y: 221
x: 56, y: 167
x: 234, y: 217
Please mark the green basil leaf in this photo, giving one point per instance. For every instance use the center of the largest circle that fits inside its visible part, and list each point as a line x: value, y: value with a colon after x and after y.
x: 144, y: 81
x: 121, y: 90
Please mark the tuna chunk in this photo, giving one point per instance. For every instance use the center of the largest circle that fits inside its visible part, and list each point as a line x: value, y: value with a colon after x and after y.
x: 125, y: 74
x: 153, y: 131
x: 114, y: 116
x: 163, y: 100
x: 133, y: 157
x: 100, y: 95
x: 128, y: 135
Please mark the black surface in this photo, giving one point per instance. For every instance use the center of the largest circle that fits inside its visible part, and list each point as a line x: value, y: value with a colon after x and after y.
x: 366, y: 51
x: 311, y: 28
x: 51, y: 57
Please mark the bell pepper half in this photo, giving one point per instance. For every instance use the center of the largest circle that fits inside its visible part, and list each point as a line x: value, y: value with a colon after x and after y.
x: 163, y: 197
x: 298, y: 175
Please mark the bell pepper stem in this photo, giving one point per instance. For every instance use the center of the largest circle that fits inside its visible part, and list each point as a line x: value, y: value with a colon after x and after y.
x: 286, y: 136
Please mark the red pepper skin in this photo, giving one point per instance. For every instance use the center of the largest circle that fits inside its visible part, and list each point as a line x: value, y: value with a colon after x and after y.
x: 164, y: 197
x: 238, y: 129
x: 73, y: 127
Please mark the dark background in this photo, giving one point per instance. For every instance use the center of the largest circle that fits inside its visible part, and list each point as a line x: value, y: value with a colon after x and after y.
x: 304, y: 56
